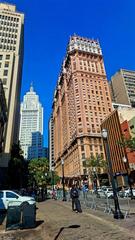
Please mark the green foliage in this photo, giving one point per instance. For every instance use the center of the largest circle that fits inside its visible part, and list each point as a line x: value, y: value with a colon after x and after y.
x: 39, y: 174
x: 55, y: 178
x: 17, y: 167
x: 128, y: 143
x: 94, y: 165
x: 95, y: 162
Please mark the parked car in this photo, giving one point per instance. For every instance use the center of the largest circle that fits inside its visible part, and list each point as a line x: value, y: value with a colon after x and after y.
x: 109, y: 192
x: 101, y: 193
x: 7, y: 197
x: 126, y: 193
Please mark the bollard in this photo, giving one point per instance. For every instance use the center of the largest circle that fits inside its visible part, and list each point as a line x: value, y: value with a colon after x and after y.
x: 29, y: 216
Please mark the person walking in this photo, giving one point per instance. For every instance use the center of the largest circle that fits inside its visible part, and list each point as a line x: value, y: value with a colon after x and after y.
x: 74, y: 194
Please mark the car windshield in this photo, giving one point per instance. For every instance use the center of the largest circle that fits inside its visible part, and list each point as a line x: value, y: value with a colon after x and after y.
x: 18, y: 192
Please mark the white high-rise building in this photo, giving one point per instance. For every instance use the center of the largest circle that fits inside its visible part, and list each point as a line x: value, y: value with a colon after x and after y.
x: 11, y: 60
x: 31, y: 126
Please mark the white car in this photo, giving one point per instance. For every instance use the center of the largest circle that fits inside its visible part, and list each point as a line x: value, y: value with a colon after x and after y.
x: 100, y: 193
x: 127, y: 193
x: 108, y: 192
x: 8, y: 197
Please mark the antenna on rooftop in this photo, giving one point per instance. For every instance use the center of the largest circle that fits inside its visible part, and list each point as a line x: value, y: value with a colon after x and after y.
x: 31, y: 87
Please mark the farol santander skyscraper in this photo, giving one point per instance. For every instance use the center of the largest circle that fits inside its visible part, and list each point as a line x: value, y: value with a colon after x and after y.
x: 31, y: 126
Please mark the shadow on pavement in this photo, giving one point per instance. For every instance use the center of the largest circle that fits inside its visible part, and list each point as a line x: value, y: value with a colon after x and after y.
x: 61, y: 229
x: 38, y: 223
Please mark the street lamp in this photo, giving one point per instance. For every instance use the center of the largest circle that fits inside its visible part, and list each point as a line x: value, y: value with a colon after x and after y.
x: 117, y: 212
x: 129, y: 181
x: 63, y: 180
x: 53, y: 178
x: 95, y: 179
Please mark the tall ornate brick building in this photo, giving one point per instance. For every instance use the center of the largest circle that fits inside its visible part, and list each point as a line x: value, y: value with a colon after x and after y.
x: 81, y: 102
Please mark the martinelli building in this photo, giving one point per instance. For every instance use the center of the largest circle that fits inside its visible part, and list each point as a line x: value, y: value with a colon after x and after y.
x: 31, y: 126
x: 81, y: 102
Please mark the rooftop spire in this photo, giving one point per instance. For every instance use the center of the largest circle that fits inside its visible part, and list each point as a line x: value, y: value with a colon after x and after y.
x: 31, y: 87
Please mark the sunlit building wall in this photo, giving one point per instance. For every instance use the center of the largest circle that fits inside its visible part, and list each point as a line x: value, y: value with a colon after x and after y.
x: 31, y: 126
x: 11, y: 60
x: 81, y: 102
x: 123, y: 87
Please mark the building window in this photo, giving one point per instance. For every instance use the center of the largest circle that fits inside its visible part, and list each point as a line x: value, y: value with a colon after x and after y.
x: 1, y: 57
x: 81, y: 140
x: 101, y: 148
x: 7, y: 56
x: 91, y: 148
x: 5, y: 72
x: 82, y: 148
x: 131, y: 127
x: 6, y: 64
x: 83, y: 155
x: 4, y: 81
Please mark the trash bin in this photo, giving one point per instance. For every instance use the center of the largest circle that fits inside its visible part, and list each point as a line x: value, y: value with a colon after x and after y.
x: 29, y: 216
x: 13, y: 220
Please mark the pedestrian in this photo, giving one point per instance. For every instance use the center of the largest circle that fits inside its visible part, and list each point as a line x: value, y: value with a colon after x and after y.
x: 85, y: 190
x: 74, y: 194
x: 54, y: 194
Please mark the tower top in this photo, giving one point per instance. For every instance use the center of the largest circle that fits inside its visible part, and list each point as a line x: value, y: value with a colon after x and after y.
x: 31, y: 87
x: 84, y: 44
x: 8, y: 7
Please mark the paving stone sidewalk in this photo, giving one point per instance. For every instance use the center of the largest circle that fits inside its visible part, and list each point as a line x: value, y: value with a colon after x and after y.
x: 93, y: 225
x: 60, y: 223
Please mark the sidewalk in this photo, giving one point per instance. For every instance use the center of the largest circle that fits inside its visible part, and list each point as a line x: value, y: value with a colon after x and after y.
x: 58, y: 222
x: 93, y: 224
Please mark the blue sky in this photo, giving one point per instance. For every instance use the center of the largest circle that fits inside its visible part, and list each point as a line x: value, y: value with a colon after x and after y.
x: 48, y: 25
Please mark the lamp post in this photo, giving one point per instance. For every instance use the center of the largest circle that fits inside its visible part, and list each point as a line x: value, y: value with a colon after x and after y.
x: 63, y: 180
x: 53, y: 178
x: 117, y: 212
x: 95, y: 179
x: 129, y: 182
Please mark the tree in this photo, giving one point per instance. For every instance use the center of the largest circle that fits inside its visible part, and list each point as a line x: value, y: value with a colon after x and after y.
x: 39, y: 174
x: 54, y: 178
x: 128, y: 143
x: 17, y: 167
x: 94, y: 164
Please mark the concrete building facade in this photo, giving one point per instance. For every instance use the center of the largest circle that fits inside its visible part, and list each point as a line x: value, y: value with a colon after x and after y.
x: 11, y: 60
x: 81, y: 102
x: 132, y: 127
x: 123, y: 87
x: 31, y: 126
